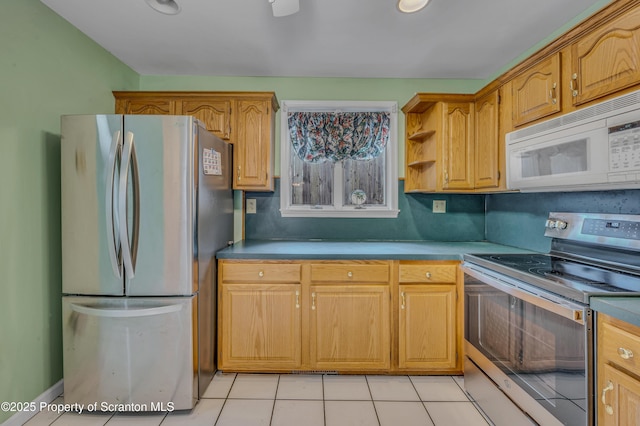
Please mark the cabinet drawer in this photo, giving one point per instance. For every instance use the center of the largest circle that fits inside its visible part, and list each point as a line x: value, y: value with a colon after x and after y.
x: 341, y: 273
x: 261, y: 272
x: 620, y: 347
x: 427, y: 273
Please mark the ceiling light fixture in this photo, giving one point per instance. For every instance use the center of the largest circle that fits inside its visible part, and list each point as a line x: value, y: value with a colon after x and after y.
x: 168, y: 7
x: 284, y: 7
x: 410, y: 6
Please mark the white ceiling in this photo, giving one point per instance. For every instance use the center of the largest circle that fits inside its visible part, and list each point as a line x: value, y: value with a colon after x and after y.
x: 327, y: 38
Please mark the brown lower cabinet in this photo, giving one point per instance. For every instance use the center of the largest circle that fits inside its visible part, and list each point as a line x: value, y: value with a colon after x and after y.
x: 618, y: 372
x: 339, y: 316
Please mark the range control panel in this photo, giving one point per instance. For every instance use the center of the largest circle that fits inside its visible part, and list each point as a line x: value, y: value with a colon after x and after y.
x: 612, y: 228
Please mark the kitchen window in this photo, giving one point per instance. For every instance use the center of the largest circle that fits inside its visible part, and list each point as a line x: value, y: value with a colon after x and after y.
x: 339, y: 159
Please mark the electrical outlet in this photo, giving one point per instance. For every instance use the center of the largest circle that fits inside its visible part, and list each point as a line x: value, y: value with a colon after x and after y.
x: 251, y: 206
x: 439, y: 206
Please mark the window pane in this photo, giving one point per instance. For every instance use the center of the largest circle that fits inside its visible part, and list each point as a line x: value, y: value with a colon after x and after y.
x: 311, y: 183
x: 365, y: 175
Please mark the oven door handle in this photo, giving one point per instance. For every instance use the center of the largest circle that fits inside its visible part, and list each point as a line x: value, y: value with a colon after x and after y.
x: 568, y: 310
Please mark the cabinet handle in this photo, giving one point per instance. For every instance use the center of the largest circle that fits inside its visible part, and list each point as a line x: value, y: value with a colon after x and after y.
x: 297, y: 299
x: 350, y: 274
x: 574, y: 90
x: 607, y: 407
x: 313, y: 301
x: 428, y: 275
x: 625, y: 353
x: 446, y: 177
x: 404, y: 301
x: 552, y: 94
x: 239, y: 176
x: 261, y: 274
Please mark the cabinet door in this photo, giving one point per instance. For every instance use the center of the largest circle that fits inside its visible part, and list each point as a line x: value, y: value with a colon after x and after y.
x: 149, y: 106
x: 487, y: 142
x: 427, y: 325
x: 535, y: 92
x: 260, y: 326
x: 606, y: 60
x: 350, y: 327
x: 619, y: 399
x: 252, y: 150
x: 458, y: 146
x: 215, y: 114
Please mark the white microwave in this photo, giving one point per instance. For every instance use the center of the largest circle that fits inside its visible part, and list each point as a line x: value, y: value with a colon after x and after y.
x: 595, y: 148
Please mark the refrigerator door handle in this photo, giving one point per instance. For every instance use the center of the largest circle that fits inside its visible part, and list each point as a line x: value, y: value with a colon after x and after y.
x: 113, y: 241
x: 129, y: 248
x: 124, y: 313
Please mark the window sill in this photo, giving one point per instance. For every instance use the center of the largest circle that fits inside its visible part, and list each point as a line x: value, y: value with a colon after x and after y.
x: 351, y: 213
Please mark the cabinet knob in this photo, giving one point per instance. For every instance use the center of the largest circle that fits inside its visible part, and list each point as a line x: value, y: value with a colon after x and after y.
x: 261, y: 274
x: 350, y: 274
x: 428, y: 275
x: 625, y: 353
x: 607, y: 408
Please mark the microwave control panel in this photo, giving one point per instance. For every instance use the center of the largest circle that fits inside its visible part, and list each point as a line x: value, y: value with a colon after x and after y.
x: 624, y: 147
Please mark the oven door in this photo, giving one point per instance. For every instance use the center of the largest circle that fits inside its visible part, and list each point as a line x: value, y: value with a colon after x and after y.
x: 534, y: 345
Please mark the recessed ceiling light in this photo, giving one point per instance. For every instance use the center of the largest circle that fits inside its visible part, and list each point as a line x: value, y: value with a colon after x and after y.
x: 168, y: 7
x: 284, y: 7
x: 410, y: 6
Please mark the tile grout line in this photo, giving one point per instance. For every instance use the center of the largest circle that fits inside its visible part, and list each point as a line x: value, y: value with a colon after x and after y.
x: 225, y: 399
x: 375, y: 410
x: 472, y: 401
x: 421, y: 401
x: 324, y: 405
x: 275, y: 398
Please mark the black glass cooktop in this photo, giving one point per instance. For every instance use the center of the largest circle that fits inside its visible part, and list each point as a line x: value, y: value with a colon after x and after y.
x: 568, y: 278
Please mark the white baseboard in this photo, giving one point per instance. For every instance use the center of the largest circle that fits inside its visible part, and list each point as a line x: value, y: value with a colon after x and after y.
x: 47, y: 396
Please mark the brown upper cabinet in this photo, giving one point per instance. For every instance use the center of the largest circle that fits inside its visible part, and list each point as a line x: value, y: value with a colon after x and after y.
x: 535, y: 93
x: 245, y: 119
x: 606, y: 59
x: 596, y: 59
x: 453, y: 143
x: 487, y: 142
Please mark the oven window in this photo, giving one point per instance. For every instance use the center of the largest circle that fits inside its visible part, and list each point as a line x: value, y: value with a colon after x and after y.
x: 570, y: 157
x: 544, y: 353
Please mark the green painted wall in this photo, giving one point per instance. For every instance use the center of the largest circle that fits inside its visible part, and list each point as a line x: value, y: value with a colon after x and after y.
x: 47, y: 68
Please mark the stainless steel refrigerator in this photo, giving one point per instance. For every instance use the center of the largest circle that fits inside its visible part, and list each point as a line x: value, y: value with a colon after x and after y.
x: 146, y: 203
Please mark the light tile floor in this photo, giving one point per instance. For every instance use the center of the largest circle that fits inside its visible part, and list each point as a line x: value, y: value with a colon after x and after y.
x: 309, y: 400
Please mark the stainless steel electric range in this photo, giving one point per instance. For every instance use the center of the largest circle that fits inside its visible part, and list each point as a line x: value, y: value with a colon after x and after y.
x: 529, y: 340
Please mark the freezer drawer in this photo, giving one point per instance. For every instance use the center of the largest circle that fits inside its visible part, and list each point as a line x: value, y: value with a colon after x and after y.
x: 130, y: 351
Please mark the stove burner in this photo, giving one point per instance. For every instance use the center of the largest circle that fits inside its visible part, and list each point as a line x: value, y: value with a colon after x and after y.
x: 569, y: 278
x: 519, y: 260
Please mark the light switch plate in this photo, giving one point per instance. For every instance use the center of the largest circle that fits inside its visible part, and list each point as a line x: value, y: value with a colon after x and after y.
x: 251, y: 206
x: 439, y: 206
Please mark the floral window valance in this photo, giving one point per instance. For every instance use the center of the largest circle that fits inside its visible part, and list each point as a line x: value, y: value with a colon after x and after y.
x: 317, y: 137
